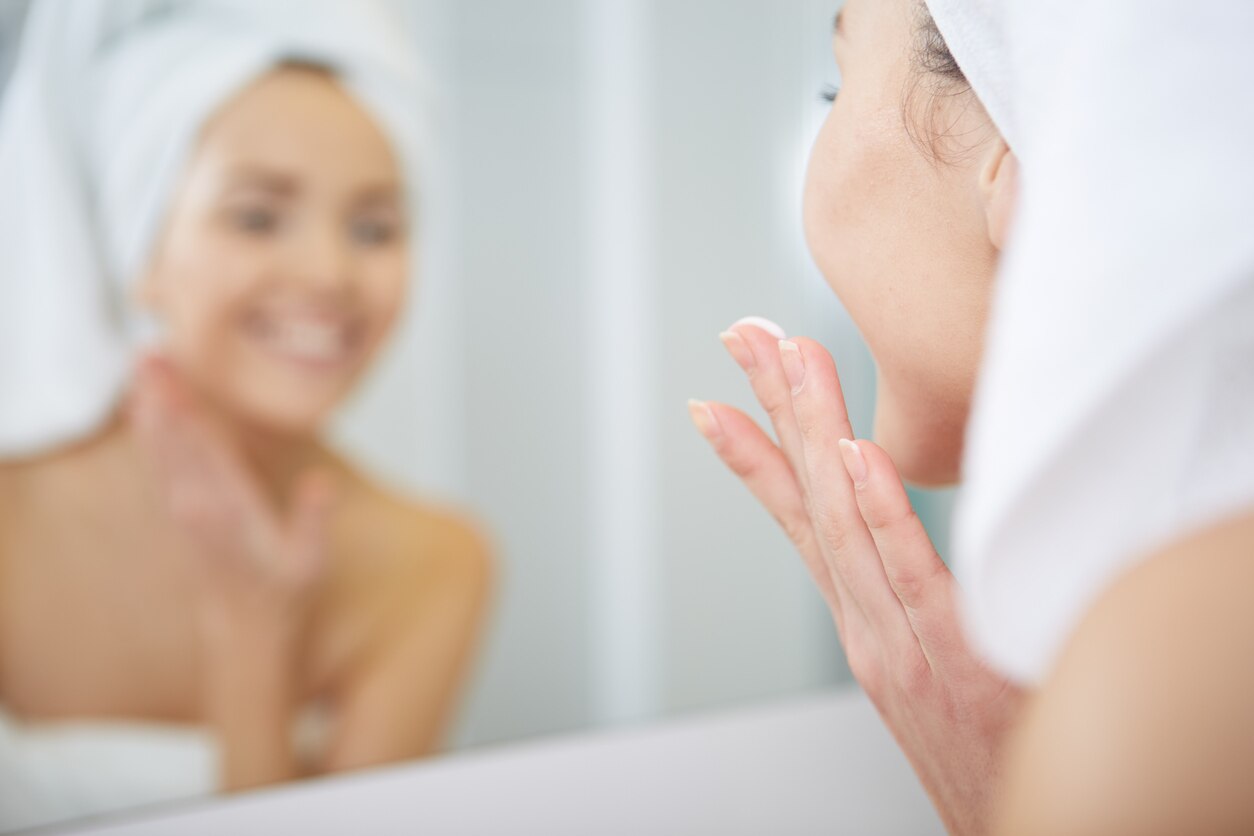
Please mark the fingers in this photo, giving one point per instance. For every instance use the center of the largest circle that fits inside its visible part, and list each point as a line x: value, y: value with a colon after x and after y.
x: 915, y: 571
x: 822, y: 420
x: 753, y: 343
x: 753, y: 457
x: 207, y: 488
x: 314, y: 498
x: 170, y: 449
x: 216, y: 499
x: 854, y: 518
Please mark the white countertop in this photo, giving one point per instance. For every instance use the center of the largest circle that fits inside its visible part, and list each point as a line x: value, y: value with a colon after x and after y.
x: 817, y: 765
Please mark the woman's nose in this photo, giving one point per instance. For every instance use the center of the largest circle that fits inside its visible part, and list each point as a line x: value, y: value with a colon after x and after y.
x: 323, y: 259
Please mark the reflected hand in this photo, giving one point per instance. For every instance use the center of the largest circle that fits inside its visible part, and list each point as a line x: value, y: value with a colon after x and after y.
x: 255, y: 567
x: 894, y: 601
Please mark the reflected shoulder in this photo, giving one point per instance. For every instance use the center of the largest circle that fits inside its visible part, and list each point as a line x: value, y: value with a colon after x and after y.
x: 443, y: 542
x: 392, y: 537
x: 401, y: 571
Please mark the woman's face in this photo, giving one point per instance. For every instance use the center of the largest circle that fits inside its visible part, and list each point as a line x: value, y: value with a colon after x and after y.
x: 284, y: 259
x: 897, y: 219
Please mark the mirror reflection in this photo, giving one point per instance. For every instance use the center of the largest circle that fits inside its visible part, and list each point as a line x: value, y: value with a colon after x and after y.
x: 343, y: 411
x: 199, y: 592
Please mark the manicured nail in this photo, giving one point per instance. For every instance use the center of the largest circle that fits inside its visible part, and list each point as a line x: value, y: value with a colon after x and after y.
x: 855, y: 464
x: 739, y: 349
x: 763, y: 323
x: 705, y: 420
x: 794, y: 364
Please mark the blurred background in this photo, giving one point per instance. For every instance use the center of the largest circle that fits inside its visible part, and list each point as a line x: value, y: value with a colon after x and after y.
x: 616, y: 182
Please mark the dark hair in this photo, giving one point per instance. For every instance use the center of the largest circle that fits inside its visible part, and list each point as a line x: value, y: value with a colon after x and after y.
x: 935, y: 76
x: 931, y: 53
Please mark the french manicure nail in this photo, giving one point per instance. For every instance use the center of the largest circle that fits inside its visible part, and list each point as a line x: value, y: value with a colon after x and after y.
x: 855, y: 464
x: 793, y: 363
x: 739, y: 349
x: 763, y: 323
x: 705, y: 419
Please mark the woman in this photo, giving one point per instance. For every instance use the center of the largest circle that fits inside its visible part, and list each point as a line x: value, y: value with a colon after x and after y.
x: 187, y: 569
x: 1103, y: 680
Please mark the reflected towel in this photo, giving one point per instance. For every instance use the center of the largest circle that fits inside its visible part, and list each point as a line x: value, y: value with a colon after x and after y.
x: 105, y: 102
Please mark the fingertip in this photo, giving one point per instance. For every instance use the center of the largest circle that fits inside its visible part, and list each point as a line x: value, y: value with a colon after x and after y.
x: 704, y: 419
x: 154, y: 366
x: 156, y: 379
x: 762, y: 323
x: 814, y: 353
x: 738, y: 347
x: 793, y: 364
x: 855, y: 462
x: 137, y: 402
x: 881, y: 490
x: 875, y: 456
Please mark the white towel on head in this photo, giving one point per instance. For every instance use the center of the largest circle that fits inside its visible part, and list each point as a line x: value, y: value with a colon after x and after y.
x: 1115, y: 408
x: 104, y: 106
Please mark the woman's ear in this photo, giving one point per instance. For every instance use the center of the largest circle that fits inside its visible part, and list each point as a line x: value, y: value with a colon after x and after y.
x: 999, y: 186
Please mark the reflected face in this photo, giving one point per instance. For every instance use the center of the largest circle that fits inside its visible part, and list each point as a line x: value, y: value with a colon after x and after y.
x: 900, y: 232
x: 284, y: 260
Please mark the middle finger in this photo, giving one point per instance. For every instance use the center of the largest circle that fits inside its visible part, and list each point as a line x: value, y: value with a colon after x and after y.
x: 753, y: 343
x: 821, y: 421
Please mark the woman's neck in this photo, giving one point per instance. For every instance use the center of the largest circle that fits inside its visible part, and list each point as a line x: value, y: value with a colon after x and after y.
x: 275, y: 458
x: 280, y: 460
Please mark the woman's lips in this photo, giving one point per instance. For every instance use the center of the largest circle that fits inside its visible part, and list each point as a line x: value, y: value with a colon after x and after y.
x: 317, y: 342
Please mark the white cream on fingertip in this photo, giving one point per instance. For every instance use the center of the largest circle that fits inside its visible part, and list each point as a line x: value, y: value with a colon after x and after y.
x: 763, y: 323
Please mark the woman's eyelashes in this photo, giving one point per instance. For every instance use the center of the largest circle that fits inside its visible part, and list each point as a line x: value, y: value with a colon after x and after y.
x: 253, y: 220
x: 829, y: 93
x: 373, y: 232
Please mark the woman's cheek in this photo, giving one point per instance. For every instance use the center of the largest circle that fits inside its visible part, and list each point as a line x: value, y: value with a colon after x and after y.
x: 388, y: 285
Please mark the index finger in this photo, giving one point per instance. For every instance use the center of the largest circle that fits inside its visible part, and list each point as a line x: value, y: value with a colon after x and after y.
x: 754, y: 344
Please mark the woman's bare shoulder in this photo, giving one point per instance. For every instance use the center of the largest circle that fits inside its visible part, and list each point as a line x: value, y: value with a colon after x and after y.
x: 67, y: 475
x: 392, y: 536
x: 1145, y: 724
x: 399, y: 567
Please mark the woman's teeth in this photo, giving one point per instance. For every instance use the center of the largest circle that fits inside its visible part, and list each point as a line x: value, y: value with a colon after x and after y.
x: 310, y: 341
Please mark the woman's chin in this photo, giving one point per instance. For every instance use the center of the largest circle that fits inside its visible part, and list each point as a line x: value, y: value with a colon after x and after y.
x: 275, y: 415
x: 927, y: 454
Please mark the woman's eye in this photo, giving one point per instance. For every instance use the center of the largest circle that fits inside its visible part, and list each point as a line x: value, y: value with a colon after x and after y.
x: 255, y: 220
x: 829, y: 93
x: 373, y: 232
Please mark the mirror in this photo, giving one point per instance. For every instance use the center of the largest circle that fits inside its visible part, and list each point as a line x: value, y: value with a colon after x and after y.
x: 609, y: 185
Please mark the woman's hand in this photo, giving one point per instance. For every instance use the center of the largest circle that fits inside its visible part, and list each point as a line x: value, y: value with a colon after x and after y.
x: 894, y: 601
x: 256, y: 570
x: 254, y: 565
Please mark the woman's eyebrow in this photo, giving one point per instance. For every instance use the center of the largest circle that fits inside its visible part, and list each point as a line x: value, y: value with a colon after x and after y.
x: 838, y: 24
x: 269, y: 180
x: 385, y: 195
x: 384, y: 189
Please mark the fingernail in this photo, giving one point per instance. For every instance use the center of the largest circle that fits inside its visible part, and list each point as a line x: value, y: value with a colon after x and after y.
x: 738, y: 349
x: 705, y: 420
x: 763, y: 323
x: 794, y: 364
x: 855, y: 464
